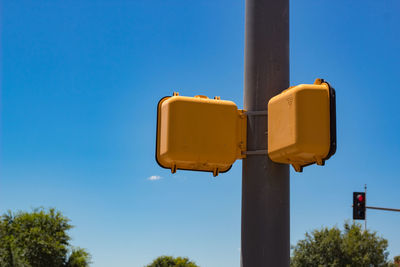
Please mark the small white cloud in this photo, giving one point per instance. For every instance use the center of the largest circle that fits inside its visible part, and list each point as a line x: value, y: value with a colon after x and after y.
x: 154, y: 178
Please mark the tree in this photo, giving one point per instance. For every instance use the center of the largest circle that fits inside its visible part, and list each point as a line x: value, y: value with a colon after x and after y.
x: 38, y: 239
x: 168, y: 261
x: 78, y: 258
x: 332, y: 247
x: 396, y: 260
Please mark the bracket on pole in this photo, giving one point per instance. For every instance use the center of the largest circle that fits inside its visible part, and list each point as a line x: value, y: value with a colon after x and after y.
x: 260, y: 151
x: 256, y: 152
x: 257, y: 113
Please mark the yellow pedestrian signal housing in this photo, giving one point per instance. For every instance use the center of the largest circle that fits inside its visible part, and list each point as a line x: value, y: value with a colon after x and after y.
x: 198, y: 133
x: 302, y: 125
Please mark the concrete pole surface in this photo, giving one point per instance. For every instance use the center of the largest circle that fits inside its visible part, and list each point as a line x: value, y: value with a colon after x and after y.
x: 265, y: 239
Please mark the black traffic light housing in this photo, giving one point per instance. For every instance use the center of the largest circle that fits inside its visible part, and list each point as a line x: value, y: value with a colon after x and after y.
x: 359, y: 208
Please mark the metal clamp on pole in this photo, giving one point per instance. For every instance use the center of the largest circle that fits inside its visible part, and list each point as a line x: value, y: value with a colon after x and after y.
x: 257, y: 113
x: 259, y: 151
x: 256, y: 152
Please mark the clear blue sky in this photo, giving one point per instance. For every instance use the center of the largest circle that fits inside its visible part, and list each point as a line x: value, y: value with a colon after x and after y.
x: 80, y: 84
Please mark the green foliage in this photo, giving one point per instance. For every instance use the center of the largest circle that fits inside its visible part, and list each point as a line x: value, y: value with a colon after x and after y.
x: 396, y: 261
x: 37, y: 239
x: 78, y: 258
x: 168, y: 261
x: 332, y: 247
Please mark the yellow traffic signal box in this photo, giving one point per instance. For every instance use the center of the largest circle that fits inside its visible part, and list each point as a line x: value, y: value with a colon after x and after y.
x: 302, y: 125
x: 198, y: 133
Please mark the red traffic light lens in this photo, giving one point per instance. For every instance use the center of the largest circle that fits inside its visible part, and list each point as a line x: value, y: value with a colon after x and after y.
x: 360, y: 198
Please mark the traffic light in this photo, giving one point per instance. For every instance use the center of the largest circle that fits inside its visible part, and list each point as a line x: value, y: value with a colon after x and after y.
x: 198, y: 133
x: 359, y: 206
x: 302, y: 125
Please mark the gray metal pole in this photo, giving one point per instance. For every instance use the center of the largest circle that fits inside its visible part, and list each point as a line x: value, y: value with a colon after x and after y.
x: 265, y: 186
x: 365, y: 221
x: 379, y: 208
